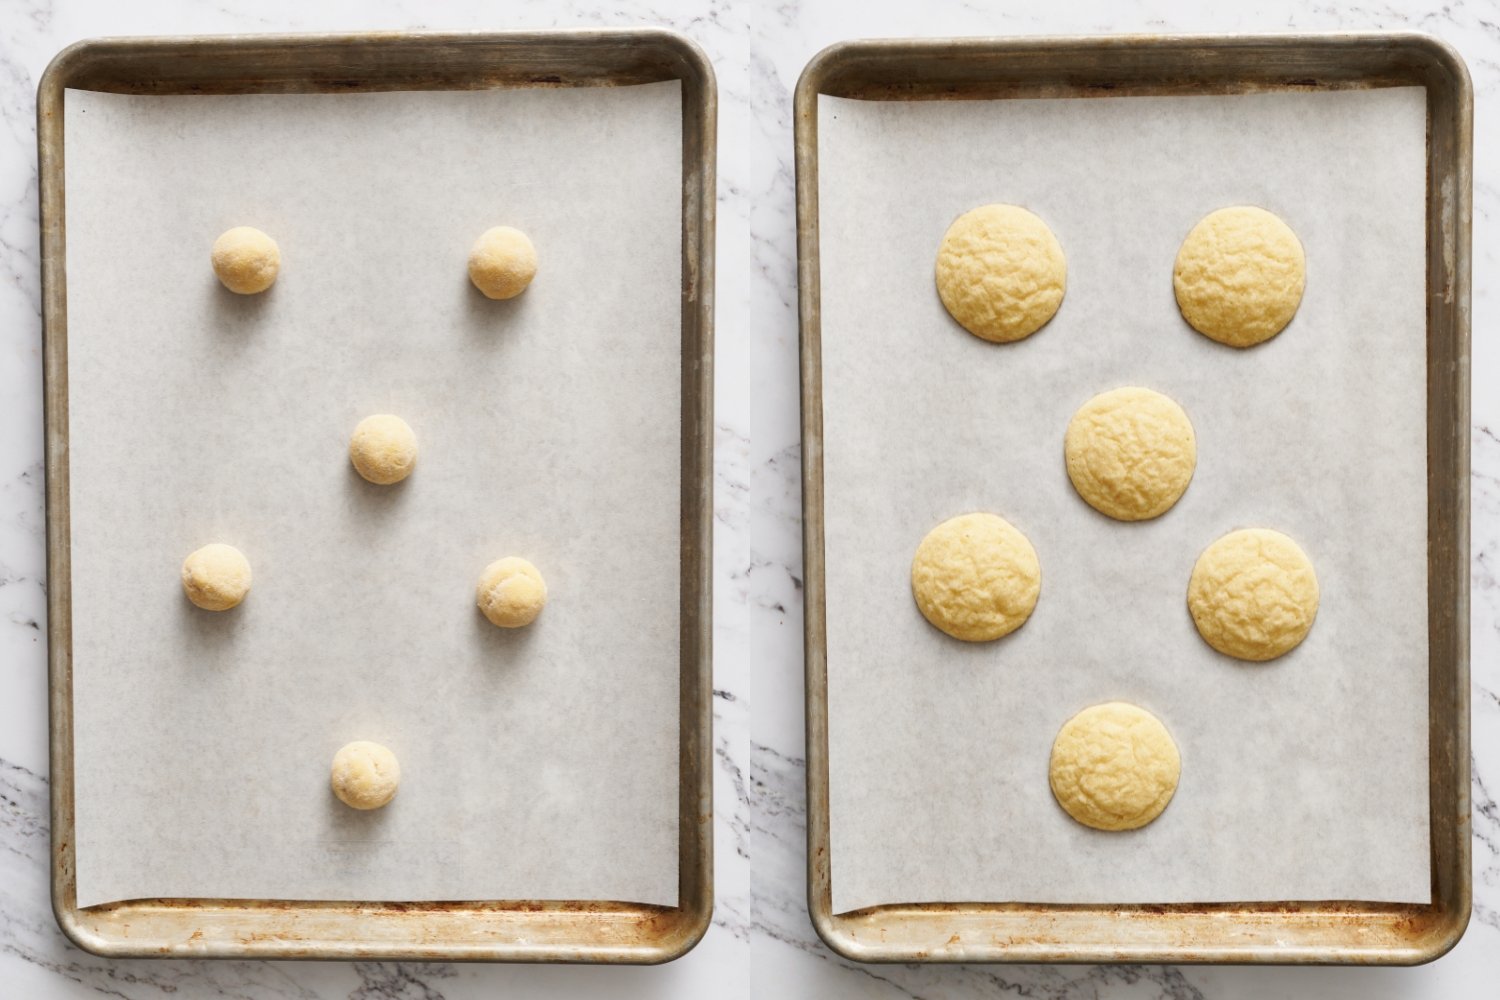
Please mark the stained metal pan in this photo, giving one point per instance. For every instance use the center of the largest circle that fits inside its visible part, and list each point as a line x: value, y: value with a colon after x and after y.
x: 488, y: 930
x: 1279, y: 932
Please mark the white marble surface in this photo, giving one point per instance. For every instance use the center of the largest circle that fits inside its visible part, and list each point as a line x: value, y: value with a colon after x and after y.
x: 761, y: 944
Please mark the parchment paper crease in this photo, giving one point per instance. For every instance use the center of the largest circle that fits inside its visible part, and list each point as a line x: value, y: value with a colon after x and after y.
x: 540, y: 763
x: 1303, y: 778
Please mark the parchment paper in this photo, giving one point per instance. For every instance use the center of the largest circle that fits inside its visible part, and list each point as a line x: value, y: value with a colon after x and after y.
x: 1302, y: 778
x: 540, y: 763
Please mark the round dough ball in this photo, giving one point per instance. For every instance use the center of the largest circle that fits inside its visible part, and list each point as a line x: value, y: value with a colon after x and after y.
x: 1000, y: 272
x: 216, y: 577
x: 1239, y: 276
x: 976, y: 577
x: 511, y: 592
x: 1114, y: 767
x: 364, y: 775
x: 246, y: 260
x: 1130, y: 453
x: 502, y: 263
x: 383, y: 449
x: 1253, y: 594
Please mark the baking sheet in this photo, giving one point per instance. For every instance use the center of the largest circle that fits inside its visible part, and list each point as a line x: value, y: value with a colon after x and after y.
x: 1303, y: 778
x: 536, y: 764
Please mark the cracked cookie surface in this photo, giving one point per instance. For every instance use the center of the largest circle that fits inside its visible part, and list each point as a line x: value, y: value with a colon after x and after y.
x: 1114, y: 767
x: 1239, y: 276
x: 1253, y: 594
x: 1130, y: 453
x: 976, y: 577
x: 1000, y: 272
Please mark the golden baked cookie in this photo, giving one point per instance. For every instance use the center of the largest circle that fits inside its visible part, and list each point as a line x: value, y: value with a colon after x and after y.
x: 1239, y: 276
x: 246, y: 260
x: 365, y: 775
x: 511, y: 592
x: 1114, y: 767
x: 976, y: 577
x: 1253, y: 594
x: 502, y: 262
x: 216, y: 577
x: 383, y: 449
x: 1130, y: 453
x: 1000, y: 272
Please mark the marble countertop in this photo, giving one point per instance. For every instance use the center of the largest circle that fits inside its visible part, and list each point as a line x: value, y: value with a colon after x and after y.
x: 761, y: 943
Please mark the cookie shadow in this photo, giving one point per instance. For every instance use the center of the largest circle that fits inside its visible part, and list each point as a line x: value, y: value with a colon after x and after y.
x: 502, y: 645
x: 209, y: 632
x: 349, y: 824
x: 486, y: 321
x: 372, y: 502
x: 236, y: 318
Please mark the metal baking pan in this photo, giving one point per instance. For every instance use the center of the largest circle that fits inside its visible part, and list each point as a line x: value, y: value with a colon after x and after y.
x: 1279, y: 932
x: 486, y: 930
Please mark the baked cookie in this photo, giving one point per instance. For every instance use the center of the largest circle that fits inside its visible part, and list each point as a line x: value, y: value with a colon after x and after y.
x: 1000, y: 272
x: 1239, y: 276
x: 1253, y: 594
x: 1130, y: 453
x: 976, y: 577
x: 1114, y: 767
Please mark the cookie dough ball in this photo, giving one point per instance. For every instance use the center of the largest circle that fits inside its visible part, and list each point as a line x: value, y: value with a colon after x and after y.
x: 1253, y: 594
x: 976, y: 577
x: 383, y: 449
x: 1239, y: 276
x: 1114, y: 767
x: 216, y: 577
x: 502, y: 263
x: 1130, y: 453
x: 365, y: 775
x: 246, y: 260
x: 1000, y: 272
x: 511, y: 592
